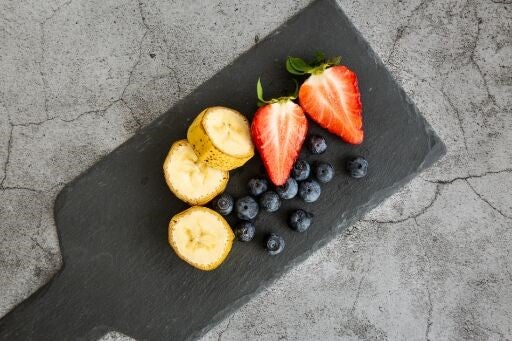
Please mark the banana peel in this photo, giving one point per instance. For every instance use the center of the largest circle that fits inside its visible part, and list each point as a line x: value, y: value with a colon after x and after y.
x: 221, y: 138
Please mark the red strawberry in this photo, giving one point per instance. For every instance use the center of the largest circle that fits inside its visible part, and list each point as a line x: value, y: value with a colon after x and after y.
x: 331, y: 97
x: 278, y: 130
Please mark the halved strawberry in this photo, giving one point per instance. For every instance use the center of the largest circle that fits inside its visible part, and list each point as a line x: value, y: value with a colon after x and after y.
x: 330, y: 96
x: 278, y: 130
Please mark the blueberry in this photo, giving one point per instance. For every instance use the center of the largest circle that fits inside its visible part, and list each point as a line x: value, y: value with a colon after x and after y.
x: 246, y: 208
x: 257, y: 186
x: 300, y: 220
x: 270, y: 201
x: 223, y: 204
x: 309, y: 190
x: 357, y: 167
x: 245, y: 231
x: 288, y: 190
x: 300, y: 170
x: 324, y: 172
x: 275, y: 244
x: 316, y: 144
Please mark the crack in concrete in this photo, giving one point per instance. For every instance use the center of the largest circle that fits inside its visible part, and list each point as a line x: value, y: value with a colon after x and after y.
x: 7, y: 157
x: 413, y: 216
x: 45, y: 85
x: 35, y: 124
x: 58, y: 9
x: 139, y: 57
x: 469, y: 177
x: 473, y: 61
x: 100, y: 112
x: 41, y: 71
x: 172, y: 56
x: 221, y: 333
x: 142, y: 16
x: 429, y: 316
x: 176, y: 79
x: 49, y: 254
x: 43, y: 53
x: 20, y: 188
x: 487, y: 201
x: 360, y: 286
x: 459, y: 118
x: 137, y: 62
x: 123, y: 92
x: 358, y: 294
x: 132, y: 113
x: 440, y: 183
x: 430, y: 309
x: 400, y: 31
x: 474, y: 176
x: 90, y: 112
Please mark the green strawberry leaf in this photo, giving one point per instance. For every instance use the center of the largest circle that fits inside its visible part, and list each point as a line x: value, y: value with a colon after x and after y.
x: 299, y: 64
x: 259, y: 93
x: 290, y: 69
x: 261, y: 101
x: 259, y: 90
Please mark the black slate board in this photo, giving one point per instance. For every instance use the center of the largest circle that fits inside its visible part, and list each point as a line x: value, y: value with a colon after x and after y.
x: 119, y: 272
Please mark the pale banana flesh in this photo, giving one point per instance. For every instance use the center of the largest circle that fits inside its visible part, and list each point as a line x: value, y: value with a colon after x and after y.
x: 189, y: 179
x: 201, y: 237
x: 229, y: 131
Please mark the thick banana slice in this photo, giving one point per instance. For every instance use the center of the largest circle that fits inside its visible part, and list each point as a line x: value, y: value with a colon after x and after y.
x: 190, y: 180
x: 221, y: 138
x: 201, y: 237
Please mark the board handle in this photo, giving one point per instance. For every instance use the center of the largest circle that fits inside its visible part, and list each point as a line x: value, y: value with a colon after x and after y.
x: 57, y: 311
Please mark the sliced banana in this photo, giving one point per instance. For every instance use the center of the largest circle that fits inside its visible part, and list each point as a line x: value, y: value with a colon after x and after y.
x: 221, y: 138
x: 229, y: 131
x: 190, y: 180
x: 201, y: 237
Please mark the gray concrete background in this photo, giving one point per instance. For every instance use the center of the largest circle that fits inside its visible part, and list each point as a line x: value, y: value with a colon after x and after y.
x: 433, y: 262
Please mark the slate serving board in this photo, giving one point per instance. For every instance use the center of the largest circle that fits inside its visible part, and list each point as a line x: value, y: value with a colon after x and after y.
x: 119, y: 272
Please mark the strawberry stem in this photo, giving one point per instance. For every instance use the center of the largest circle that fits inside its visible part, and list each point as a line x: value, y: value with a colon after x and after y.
x: 262, y: 101
x: 296, y: 92
x: 298, y: 66
x: 259, y: 93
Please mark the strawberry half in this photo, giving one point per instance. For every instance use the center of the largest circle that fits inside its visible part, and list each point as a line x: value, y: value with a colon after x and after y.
x: 278, y: 131
x: 330, y: 96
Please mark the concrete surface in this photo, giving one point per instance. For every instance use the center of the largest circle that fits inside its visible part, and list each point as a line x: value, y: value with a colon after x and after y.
x: 433, y: 262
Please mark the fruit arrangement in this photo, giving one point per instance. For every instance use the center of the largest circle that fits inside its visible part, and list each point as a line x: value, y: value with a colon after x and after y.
x: 197, y: 171
x: 221, y: 139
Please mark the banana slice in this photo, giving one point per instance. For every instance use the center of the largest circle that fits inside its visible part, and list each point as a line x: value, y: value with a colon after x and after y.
x: 221, y: 138
x: 190, y: 180
x: 201, y: 237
